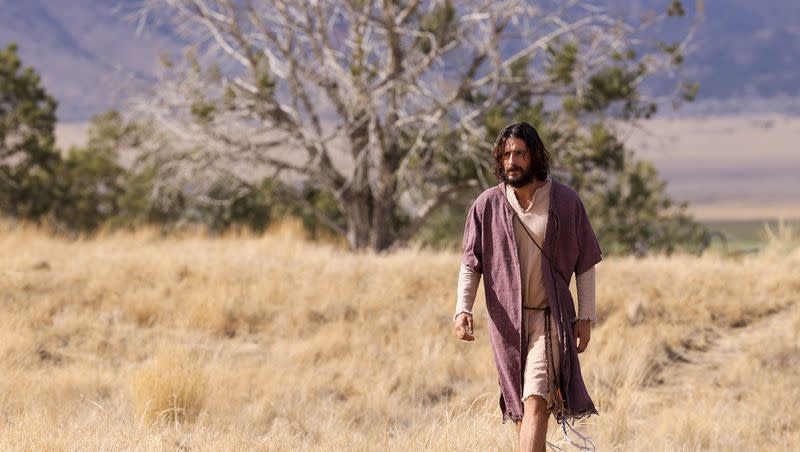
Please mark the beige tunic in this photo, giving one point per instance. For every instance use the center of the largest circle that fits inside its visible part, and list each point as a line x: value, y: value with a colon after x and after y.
x: 534, y: 218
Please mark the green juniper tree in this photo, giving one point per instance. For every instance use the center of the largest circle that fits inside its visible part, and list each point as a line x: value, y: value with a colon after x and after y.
x: 28, y: 158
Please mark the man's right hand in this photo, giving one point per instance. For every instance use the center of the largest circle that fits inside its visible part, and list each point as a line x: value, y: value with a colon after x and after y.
x: 463, y: 324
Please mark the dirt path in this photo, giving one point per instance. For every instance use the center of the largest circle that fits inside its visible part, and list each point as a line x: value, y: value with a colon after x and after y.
x: 725, y: 390
x: 697, y: 366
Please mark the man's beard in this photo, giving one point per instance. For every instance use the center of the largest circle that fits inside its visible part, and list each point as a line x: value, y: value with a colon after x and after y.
x: 525, y: 178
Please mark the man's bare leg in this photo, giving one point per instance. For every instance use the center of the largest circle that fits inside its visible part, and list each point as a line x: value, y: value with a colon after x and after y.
x: 532, y: 429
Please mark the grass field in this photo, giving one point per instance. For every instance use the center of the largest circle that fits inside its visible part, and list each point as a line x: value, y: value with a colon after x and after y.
x: 138, y: 341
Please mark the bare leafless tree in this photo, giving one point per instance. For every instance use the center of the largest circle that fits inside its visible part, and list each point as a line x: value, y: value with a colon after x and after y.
x: 373, y: 101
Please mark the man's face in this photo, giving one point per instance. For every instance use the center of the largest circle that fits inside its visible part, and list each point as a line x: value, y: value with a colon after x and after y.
x: 516, y: 160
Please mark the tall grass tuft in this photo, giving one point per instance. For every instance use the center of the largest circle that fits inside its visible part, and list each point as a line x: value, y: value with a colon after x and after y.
x: 171, y: 389
x: 782, y: 240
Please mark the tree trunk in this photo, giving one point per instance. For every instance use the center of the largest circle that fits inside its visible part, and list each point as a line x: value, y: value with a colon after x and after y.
x: 368, y: 220
x: 356, y: 207
x: 382, y: 236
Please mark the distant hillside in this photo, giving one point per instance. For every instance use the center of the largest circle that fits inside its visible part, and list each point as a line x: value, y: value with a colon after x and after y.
x: 746, y: 56
x: 732, y: 167
x: 86, y: 50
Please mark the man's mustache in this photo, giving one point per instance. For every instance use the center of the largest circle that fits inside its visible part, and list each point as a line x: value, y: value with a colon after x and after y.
x: 513, y: 168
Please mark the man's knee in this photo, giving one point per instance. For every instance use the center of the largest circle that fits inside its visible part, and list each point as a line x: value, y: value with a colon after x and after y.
x: 535, y: 405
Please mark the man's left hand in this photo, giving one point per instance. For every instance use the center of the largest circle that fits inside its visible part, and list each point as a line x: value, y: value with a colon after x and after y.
x: 581, y: 332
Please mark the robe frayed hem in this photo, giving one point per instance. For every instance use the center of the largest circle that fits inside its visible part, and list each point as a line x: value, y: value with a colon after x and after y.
x: 578, y: 416
x: 568, y: 418
x: 508, y: 416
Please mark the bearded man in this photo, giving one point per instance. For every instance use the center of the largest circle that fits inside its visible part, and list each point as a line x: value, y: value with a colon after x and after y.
x: 526, y: 237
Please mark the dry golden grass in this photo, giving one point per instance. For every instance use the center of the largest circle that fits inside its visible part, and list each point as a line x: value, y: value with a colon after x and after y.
x: 172, y: 388
x: 273, y: 343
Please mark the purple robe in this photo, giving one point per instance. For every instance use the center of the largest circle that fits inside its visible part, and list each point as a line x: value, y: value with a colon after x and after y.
x: 490, y: 249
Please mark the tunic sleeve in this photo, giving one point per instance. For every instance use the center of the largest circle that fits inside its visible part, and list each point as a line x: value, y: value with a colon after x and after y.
x: 589, y: 252
x: 467, y: 289
x: 472, y: 241
x: 585, y: 285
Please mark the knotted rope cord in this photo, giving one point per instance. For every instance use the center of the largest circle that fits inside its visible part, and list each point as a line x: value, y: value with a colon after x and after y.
x: 587, y: 445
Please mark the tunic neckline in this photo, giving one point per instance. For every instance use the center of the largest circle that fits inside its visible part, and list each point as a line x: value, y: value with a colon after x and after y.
x: 537, y: 195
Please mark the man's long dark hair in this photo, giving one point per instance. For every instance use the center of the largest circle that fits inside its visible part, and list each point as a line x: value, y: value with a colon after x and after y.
x: 540, y: 158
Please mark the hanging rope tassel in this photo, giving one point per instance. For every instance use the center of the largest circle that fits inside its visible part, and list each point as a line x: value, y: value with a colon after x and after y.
x: 552, y: 446
x: 587, y: 441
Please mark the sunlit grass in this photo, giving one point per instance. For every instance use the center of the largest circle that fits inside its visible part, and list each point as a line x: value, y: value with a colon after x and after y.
x: 140, y: 340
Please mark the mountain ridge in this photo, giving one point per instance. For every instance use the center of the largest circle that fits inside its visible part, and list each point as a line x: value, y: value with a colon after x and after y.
x: 746, y: 57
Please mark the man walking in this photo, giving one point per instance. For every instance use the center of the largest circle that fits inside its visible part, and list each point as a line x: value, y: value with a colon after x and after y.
x: 527, y: 236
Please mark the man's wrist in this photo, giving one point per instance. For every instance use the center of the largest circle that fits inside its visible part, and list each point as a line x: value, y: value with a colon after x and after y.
x: 461, y: 312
